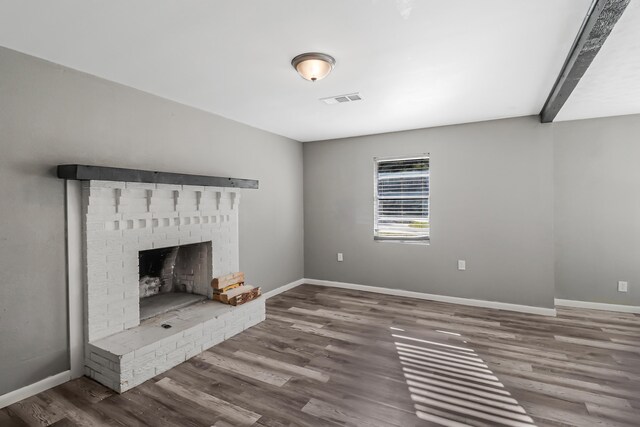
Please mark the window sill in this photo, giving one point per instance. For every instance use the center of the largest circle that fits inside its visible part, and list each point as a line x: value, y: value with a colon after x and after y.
x: 408, y: 242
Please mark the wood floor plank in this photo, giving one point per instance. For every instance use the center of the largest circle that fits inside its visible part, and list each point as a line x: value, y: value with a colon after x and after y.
x: 9, y: 419
x: 247, y: 369
x: 331, y: 412
x: 35, y: 411
x: 237, y: 415
x: 282, y: 366
x: 88, y: 390
x: 75, y: 409
x: 608, y: 345
x: 336, y: 357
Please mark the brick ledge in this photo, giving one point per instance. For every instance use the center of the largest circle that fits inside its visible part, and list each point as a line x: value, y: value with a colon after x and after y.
x: 128, y: 358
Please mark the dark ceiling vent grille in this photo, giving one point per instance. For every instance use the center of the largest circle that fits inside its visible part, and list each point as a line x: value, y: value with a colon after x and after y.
x: 341, y: 99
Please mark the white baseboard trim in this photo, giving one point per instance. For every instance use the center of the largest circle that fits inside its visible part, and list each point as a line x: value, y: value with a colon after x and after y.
x: 283, y: 288
x: 598, y: 306
x: 441, y: 298
x: 33, y: 389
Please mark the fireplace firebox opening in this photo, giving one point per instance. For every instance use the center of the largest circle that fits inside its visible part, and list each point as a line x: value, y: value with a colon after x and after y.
x: 173, y: 277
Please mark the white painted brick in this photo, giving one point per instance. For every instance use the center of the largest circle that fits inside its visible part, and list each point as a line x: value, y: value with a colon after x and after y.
x: 251, y: 322
x: 131, y: 310
x: 131, y: 292
x: 146, y: 242
x: 195, y: 331
x: 169, y: 363
x: 193, y: 213
x: 171, y: 242
x: 193, y: 188
x: 94, y: 366
x: 189, y: 340
x: 162, y: 193
x: 155, y: 214
x: 113, y: 249
x: 99, y: 209
x: 187, y: 208
x: 159, y: 237
x: 144, y: 351
x: 166, y: 348
x: 213, y: 324
x: 97, y: 310
x: 235, y: 321
x: 130, y: 305
x: 126, y: 358
x: 107, y: 184
x: 131, y: 323
x: 142, y: 361
x: 131, y: 193
x: 98, y: 291
x: 172, y: 187
x: 99, y: 359
x: 197, y: 349
x: 114, y: 257
x: 111, y: 375
x: 173, y: 232
x: 104, y: 235
x: 94, y: 226
x: 126, y: 375
x: 139, y: 207
x: 134, y: 216
x: 93, y: 246
x: 140, y: 185
x: 106, y: 301
x: 117, y: 308
x: 144, y: 372
x: 188, y: 346
x: 97, y: 326
x: 215, y: 340
x: 103, y: 380
x: 205, y: 338
x: 115, y: 323
x: 231, y: 331
x: 177, y: 354
x: 100, y: 192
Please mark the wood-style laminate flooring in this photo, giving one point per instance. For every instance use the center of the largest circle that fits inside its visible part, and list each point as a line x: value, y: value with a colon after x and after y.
x: 328, y: 356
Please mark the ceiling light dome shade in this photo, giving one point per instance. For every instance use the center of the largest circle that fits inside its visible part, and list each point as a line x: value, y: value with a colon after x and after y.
x: 313, y: 66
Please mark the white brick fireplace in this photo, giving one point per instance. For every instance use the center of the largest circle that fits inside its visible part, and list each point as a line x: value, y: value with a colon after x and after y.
x: 121, y: 219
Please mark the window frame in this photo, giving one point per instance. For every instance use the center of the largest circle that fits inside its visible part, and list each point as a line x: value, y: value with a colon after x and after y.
x: 417, y: 241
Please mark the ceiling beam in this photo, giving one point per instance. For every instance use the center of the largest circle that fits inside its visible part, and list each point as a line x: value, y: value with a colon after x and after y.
x: 596, y: 27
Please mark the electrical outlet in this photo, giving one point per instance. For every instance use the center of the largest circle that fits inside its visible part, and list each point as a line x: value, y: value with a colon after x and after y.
x: 340, y: 257
x: 623, y: 286
x: 462, y: 264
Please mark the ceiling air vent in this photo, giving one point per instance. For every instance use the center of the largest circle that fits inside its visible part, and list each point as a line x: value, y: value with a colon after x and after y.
x: 341, y: 99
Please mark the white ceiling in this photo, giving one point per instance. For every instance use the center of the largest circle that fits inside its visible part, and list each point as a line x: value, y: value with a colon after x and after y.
x: 416, y: 63
x: 611, y: 85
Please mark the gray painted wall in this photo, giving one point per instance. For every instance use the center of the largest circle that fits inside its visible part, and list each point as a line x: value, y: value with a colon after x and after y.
x: 597, y: 209
x: 491, y: 204
x: 50, y: 115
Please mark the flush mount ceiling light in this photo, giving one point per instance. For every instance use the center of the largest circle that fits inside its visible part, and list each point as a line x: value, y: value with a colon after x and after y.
x: 313, y: 66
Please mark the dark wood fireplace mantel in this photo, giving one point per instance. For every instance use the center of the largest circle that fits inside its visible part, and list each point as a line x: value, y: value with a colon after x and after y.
x: 102, y: 173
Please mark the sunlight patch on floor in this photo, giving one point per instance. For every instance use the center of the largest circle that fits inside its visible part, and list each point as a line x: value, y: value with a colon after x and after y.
x: 452, y: 386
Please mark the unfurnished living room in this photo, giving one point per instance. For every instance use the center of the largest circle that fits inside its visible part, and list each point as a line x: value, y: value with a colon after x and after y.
x: 320, y: 213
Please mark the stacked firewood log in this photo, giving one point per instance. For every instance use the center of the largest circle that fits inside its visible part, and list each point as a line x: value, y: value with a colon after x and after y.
x: 230, y: 289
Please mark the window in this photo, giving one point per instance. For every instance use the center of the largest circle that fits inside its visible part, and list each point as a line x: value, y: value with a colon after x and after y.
x: 401, y: 211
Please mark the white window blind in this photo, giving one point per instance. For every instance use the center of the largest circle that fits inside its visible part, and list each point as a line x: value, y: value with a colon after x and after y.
x: 402, y: 199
